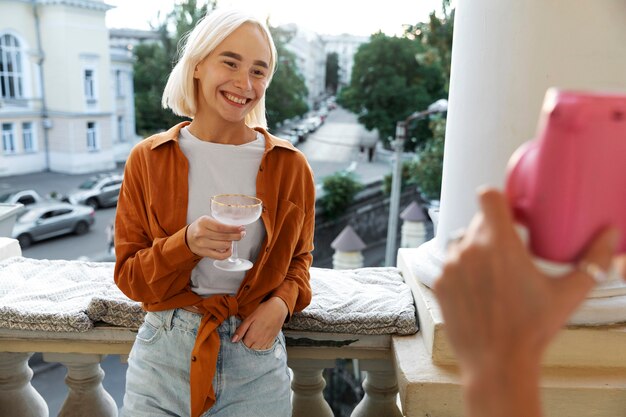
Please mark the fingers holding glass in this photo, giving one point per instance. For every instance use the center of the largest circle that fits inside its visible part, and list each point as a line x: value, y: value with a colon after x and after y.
x: 235, y: 210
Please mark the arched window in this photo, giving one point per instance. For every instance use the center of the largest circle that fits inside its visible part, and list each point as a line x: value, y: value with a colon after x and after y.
x: 11, y: 73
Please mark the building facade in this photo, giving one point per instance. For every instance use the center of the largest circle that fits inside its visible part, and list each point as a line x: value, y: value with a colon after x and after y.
x: 66, y: 100
x: 308, y: 48
x: 345, y: 46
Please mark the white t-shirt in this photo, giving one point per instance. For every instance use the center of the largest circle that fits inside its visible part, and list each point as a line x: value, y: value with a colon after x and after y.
x: 216, y: 168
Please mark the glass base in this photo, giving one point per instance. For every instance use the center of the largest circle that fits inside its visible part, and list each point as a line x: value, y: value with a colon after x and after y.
x: 234, y: 265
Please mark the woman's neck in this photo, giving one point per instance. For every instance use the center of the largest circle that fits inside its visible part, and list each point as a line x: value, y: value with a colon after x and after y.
x: 225, y: 133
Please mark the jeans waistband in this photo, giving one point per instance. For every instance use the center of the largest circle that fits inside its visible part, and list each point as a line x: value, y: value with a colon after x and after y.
x: 189, y: 321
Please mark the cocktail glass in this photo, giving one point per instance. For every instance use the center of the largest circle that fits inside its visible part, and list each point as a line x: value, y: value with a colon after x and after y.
x: 235, y: 210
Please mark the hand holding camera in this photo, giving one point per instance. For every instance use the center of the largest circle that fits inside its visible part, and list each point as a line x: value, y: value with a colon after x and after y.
x: 569, y: 184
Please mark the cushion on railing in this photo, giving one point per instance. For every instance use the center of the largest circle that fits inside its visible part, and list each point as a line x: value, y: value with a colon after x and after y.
x: 72, y: 295
x: 56, y: 295
x: 358, y: 301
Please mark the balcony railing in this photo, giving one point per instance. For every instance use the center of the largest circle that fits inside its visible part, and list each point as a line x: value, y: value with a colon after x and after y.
x: 309, y: 353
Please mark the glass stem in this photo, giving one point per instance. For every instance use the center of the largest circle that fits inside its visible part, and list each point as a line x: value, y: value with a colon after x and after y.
x: 234, y: 256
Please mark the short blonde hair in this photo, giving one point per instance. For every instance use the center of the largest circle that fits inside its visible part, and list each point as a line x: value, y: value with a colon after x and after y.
x: 180, y: 92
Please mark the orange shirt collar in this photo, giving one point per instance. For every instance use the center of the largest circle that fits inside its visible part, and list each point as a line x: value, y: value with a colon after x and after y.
x: 172, y: 134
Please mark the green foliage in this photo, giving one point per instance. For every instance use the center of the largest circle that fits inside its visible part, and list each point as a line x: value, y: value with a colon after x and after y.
x: 154, y: 62
x: 286, y: 96
x: 394, y: 77
x: 150, y: 75
x: 332, y: 72
x: 339, y: 192
x: 388, y: 84
x: 436, y: 36
x: 426, y: 172
x: 408, y: 167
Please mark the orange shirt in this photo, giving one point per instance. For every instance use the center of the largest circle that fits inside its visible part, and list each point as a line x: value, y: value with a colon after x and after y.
x: 154, y: 263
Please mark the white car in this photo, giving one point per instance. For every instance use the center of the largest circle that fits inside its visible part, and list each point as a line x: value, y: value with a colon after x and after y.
x: 98, y: 191
x: 46, y: 220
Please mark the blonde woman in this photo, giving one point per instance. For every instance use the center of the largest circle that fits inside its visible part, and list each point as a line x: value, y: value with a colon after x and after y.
x: 211, y: 343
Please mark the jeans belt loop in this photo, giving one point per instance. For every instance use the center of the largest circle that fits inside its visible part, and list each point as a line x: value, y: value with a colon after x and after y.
x: 168, y: 319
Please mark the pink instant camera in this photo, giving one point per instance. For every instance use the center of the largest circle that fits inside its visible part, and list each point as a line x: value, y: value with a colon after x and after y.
x: 570, y: 182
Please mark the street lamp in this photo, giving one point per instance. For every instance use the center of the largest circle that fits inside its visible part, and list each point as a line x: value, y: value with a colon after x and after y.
x: 438, y: 106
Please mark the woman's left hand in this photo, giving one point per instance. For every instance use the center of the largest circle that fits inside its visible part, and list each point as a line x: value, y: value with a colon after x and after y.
x: 259, y: 330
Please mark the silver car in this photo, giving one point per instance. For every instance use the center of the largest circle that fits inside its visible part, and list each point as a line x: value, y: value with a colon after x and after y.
x: 98, y: 191
x: 45, y: 220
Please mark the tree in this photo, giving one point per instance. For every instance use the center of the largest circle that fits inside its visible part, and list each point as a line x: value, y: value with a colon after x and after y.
x: 151, y: 69
x: 427, y: 169
x: 332, y: 72
x: 286, y: 96
x: 393, y: 77
x: 388, y: 84
x: 153, y: 63
x: 436, y: 36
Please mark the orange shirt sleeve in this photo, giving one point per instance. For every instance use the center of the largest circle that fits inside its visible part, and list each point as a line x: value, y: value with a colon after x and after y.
x: 149, y: 268
x: 295, y: 290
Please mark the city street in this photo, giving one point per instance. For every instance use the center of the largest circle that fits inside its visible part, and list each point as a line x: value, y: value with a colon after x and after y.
x: 333, y: 147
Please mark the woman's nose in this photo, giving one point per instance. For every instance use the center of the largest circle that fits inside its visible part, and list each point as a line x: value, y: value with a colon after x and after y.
x: 243, y: 81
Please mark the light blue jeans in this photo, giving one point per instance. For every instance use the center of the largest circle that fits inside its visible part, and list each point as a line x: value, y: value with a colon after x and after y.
x: 247, y: 383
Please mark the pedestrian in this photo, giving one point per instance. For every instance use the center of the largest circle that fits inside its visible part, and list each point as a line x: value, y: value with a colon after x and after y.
x: 501, y: 311
x: 110, y: 233
x: 211, y: 343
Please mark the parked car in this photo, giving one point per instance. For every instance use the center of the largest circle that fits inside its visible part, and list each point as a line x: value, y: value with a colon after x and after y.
x: 301, y: 131
x: 98, y: 191
x: 50, y: 219
x: 26, y: 197
x: 290, y: 136
x: 313, y: 122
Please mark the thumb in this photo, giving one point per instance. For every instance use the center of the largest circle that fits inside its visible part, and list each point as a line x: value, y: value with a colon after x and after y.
x: 590, y: 269
x: 241, y: 330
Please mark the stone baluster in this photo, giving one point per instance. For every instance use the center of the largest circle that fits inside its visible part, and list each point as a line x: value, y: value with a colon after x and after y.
x: 308, y: 386
x: 381, y: 390
x: 348, y: 248
x: 17, y: 395
x: 87, y: 396
x: 413, y: 226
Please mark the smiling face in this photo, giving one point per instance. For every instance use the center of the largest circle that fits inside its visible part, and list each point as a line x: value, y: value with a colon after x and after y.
x: 232, y: 79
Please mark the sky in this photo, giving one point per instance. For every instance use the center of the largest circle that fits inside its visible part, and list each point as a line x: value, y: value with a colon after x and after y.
x: 332, y: 17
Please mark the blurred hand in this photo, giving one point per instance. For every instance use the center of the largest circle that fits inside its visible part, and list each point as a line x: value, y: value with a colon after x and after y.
x: 209, y: 238
x: 501, y: 312
x: 259, y: 330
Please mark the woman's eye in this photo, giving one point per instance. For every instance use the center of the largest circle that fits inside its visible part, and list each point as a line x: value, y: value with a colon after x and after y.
x: 258, y: 73
x: 230, y: 64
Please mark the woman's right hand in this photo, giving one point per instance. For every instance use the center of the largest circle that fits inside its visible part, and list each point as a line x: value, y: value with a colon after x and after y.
x: 209, y: 238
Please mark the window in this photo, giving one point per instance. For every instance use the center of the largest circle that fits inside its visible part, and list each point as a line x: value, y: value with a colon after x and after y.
x: 26, y: 200
x: 120, y: 128
x: 10, y: 68
x: 28, y: 137
x: 8, y: 138
x: 119, y: 83
x: 92, y: 140
x: 90, y: 85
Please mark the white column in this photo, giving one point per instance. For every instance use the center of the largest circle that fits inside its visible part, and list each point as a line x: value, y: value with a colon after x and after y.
x: 308, y: 386
x: 9, y: 248
x: 381, y: 391
x: 506, y: 54
x: 17, y: 395
x: 87, y: 396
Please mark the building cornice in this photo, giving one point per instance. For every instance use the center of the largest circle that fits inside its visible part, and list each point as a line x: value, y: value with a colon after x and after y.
x: 82, y: 4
